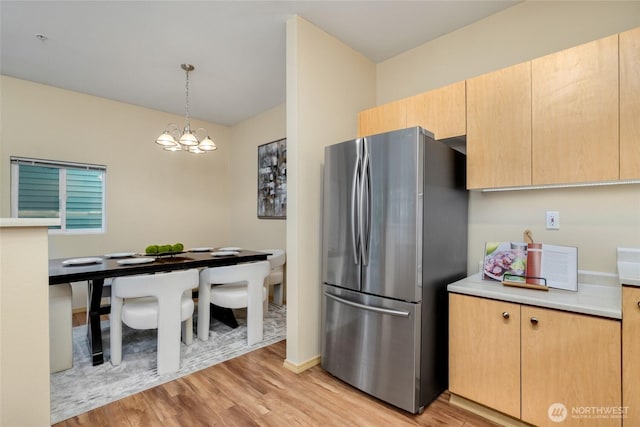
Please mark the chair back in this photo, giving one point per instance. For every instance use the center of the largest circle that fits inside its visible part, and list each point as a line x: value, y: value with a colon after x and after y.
x: 236, y: 273
x: 156, y: 285
x: 277, y: 257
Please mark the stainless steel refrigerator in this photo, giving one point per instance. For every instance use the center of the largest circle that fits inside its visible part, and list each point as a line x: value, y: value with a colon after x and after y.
x: 394, y: 235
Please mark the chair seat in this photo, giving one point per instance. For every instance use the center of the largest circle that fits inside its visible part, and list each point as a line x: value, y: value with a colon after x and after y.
x: 276, y: 276
x: 232, y: 295
x: 142, y: 313
x: 277, y: 259
x: 226, y: 282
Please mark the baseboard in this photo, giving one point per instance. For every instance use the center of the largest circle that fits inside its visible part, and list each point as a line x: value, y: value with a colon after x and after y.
x: 79, y: 310
x: 297, y: 368
x: 486, y: 412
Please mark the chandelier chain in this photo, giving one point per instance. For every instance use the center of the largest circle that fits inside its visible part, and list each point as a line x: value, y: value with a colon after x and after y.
x: 186, y: 107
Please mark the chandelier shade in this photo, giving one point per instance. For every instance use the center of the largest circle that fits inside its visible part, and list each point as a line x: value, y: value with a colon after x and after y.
x: 174, y: 139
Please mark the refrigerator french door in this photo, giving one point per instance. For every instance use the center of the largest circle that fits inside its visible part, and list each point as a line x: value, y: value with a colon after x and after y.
x: 392, y: 203
x: 373, y: 214
x: 381, y: 336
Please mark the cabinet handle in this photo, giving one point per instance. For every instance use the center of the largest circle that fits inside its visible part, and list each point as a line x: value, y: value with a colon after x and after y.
x: 638, y: 304
x: 505, y: 314
x: 534, y: 320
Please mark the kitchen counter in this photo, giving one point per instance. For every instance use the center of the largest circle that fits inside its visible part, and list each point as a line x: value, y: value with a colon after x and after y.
x: 629, y: 266
x: 29, y: 222
x: 599, y: 294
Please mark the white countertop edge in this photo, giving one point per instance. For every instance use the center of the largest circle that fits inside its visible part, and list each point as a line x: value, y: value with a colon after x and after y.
x: 629, y: 266
x: 29, y: 222
x: 629, y: 273
x: 594, y: 299
x: 628, y: 254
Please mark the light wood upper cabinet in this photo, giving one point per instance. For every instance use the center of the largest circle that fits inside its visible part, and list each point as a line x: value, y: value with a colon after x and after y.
x: 499, y: 128
x: 484, y: 352
x: 571, y: 359
x: 441, y: 111
x: 630, y: 104
x: 630, y: 352
x: 384, y: 118
x: 575, y: 114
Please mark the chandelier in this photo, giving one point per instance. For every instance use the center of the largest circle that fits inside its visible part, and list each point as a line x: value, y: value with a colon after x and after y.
x: 174, y: 139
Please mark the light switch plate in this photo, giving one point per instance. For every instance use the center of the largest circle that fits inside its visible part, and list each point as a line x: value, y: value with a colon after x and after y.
x: 553, y: 220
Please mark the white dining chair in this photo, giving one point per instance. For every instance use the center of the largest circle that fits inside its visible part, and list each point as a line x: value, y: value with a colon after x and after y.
x: 154, y: 301
x: 234, y: 286
x: 275, y: 279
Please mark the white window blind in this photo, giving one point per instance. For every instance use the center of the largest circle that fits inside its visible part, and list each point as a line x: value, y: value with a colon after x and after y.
x: 73, y: 192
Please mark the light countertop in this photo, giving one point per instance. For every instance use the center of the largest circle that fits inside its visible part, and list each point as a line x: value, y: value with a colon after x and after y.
x: 598, y: 294
x: 29, y: 222
x: 629, y: 266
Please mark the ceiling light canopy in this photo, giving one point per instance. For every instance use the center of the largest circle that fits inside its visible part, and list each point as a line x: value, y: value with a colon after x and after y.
x: 174, y: 139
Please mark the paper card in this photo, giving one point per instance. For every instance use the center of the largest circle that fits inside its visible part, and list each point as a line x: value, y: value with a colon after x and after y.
x: 558, y: 265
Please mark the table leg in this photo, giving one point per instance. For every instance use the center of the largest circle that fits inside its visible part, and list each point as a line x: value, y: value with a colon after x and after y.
x: 94, y: 333
x: 224, y: 315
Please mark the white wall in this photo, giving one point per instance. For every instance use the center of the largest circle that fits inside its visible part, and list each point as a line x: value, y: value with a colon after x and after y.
x: 522, y: 32
x: 328, y: 83
x: 24, y: 332
x: 597, y: 220
x: 152, y: 195
x: 245, y: 228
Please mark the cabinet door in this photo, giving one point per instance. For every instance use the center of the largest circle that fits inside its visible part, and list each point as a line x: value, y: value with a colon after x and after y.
x: 484, y: 352
x: 630, y: 105
x: 573, y: 360
x: 384, y: 118
x: 575, y: 114
x: 441, y: 111
x: 499, y: 128
x: 630, y: 352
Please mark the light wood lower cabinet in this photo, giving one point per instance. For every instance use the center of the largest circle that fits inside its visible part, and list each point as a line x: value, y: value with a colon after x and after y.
x: 527, y: 363
x: 484, y: 352
x: 631, y: 354
x: 574, y: 360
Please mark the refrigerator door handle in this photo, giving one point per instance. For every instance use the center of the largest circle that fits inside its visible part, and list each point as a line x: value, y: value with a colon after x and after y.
x: 365, y: 204
x: 375, y: 309
x: 355, y: 224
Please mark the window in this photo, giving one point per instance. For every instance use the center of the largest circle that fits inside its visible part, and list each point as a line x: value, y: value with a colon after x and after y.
x: 73, y: 192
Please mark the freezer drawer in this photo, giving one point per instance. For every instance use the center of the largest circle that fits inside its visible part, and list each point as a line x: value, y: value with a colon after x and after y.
x: 373, y: 344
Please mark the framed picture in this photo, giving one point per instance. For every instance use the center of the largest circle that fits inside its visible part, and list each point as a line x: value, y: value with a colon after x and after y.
x: 272, y: 180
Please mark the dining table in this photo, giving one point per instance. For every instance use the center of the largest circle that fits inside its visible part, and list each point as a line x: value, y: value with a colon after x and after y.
x: 96, y: 269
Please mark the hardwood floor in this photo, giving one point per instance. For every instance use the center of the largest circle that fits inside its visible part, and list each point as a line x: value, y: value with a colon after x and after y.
x: 256, y: 390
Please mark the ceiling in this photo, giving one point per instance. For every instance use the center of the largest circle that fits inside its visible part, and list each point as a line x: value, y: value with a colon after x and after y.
x: 131, y: 51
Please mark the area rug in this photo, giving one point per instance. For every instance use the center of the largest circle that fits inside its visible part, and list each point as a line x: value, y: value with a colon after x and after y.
x: 85, y: 387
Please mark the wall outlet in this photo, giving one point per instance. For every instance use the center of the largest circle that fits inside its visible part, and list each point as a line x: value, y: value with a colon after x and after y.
x: 553, y: 220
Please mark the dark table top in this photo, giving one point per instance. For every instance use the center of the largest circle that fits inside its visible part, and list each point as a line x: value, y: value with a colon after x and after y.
x: 109, y: 267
